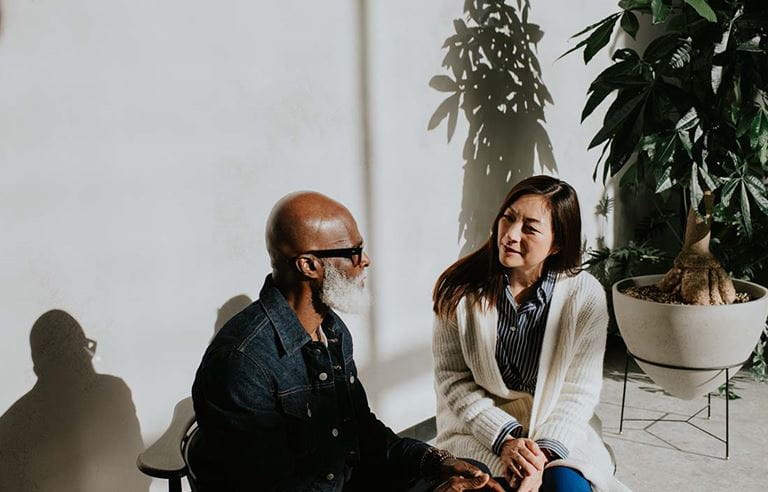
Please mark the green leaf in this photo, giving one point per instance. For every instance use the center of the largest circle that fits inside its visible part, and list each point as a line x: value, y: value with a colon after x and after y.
x: 712, y: 182
x: 598, y: 95
x: 596, y: 24
x: 616, y: 116
x: 667, y: 151
x: 685, y: 139
x: 660, y: 11
x: 752, y: 45
x: 626, y: 54
x: 665, y: 181
x: 630, y: 23
x: 443, y: 83
x: 597, y: 166
x: 746, y: 216
x: 728, y: 189
x: 688, y: 121
x: 633, y: 4
x: 757, y: 190
x: 662, y: 46
x: 755, y: 130
x: 598, y: 39
x: 716, y: 74
x: 581, y: 43
x: 703, y: 9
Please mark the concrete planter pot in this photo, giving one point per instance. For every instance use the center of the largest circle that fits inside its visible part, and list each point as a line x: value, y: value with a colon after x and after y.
x: 689, y: 336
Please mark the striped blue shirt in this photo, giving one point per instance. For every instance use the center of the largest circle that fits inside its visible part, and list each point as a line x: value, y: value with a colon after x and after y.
x: 520, y: 331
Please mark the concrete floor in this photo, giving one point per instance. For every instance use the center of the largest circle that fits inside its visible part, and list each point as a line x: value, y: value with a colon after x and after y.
x: 675, y: 456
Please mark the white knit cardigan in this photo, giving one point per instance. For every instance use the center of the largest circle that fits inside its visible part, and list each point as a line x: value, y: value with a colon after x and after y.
x: 473, y: 403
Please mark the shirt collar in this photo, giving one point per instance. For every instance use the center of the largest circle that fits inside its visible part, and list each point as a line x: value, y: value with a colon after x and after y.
x: 544, y: 287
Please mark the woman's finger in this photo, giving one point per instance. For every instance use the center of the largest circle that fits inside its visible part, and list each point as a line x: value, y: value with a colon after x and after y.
x: 524, y: 466
x: 514, y: 472
x: 510, y: 477
x: 531, y: 444
x: 536, y: 461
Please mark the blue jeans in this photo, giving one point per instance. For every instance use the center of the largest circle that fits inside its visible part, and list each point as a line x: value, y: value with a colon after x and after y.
x: 558, y: 479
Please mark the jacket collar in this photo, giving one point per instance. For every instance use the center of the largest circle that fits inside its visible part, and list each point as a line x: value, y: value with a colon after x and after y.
x: 289, y: 331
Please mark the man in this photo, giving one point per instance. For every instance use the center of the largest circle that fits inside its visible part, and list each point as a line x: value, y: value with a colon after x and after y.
x: 277, y: 395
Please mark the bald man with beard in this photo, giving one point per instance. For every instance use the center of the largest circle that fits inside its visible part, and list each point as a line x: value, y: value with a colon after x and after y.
x: 277, y: 396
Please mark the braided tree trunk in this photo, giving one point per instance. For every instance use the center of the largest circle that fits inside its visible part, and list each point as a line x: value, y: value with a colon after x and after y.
x: 697, y: 275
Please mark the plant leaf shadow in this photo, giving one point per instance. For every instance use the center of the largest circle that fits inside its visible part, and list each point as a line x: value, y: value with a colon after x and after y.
x: 497, y: 82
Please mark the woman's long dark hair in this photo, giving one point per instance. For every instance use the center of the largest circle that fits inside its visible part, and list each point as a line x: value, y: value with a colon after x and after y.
x: 479, y: 276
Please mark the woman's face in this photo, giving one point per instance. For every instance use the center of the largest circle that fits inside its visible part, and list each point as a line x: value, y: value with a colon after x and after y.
x: 525, y: 236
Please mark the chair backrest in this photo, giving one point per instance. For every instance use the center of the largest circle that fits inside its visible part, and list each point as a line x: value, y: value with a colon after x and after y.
x: 166, y: 457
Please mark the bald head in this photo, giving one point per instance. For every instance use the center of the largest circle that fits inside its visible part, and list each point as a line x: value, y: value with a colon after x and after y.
x: 306, y: 221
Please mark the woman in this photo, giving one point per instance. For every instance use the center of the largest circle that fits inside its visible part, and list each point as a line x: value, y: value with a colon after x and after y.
x: 518, y: 345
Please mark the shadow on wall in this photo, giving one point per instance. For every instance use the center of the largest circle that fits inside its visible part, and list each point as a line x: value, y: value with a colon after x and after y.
x: 75, y: 430
x: 229, y: 309
x: 497, y: 82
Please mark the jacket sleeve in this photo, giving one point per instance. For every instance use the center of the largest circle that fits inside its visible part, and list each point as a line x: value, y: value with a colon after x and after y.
x: 243, y: 435
x: 456, y: 386
x: 583, y: 376
x: 380, y: 446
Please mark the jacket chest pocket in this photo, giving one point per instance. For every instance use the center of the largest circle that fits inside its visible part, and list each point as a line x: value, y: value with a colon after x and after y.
x: 298, y: 407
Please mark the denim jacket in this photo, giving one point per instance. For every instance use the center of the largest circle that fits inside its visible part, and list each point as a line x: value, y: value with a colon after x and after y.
x: 277, y: 411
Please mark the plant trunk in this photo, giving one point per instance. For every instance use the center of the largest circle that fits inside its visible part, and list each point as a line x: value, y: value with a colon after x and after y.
x: 697, y: 275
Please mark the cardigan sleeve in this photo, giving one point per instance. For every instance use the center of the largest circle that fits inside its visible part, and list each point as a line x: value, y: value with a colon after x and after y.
x: 583, y: 378
x: 456, y: 386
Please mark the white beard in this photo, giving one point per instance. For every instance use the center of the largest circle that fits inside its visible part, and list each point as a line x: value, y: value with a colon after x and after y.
x: 342, y: 293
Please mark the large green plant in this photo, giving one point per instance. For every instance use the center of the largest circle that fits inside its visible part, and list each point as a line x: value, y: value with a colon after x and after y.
x: 690, y: 117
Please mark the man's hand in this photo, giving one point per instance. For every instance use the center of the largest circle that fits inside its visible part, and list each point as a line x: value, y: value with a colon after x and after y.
x: 522, y: 458
x: 460, y: 475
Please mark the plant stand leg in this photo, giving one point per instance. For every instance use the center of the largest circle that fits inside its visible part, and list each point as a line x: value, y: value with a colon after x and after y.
x: 727, y: 415
x: 709, y: 406
x: 624, y: 393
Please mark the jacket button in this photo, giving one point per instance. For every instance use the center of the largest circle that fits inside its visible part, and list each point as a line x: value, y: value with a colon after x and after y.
x: 323, y: 376
x: 351, y: 379
x: 335, y: 432
x: 330, y: 476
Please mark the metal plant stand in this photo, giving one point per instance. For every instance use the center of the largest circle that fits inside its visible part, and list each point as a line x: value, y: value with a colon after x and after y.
x: 708, y: 408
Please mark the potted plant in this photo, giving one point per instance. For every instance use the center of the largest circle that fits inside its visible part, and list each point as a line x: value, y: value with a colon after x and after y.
x: 689, y: 122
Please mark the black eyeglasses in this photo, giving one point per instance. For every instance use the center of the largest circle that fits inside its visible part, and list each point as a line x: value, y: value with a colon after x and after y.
x: 355, y: 254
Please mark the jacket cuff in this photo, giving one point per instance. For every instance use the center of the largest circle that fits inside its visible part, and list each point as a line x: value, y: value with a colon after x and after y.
x: 556, y: 448
x: 509, y: 430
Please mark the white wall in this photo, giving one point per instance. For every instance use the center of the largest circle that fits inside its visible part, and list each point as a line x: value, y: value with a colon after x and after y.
x: 142, y: 144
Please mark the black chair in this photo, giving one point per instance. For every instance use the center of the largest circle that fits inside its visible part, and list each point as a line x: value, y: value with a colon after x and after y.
x: 167, y: 458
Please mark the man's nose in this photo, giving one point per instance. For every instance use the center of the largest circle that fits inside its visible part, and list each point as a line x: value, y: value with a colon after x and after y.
x: 366, y: 260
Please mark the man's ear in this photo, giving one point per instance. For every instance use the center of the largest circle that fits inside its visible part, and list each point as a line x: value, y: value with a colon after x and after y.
x: 308, y: 266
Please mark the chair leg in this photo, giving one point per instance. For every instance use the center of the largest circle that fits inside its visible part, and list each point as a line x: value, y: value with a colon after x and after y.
x: 174, y: 485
